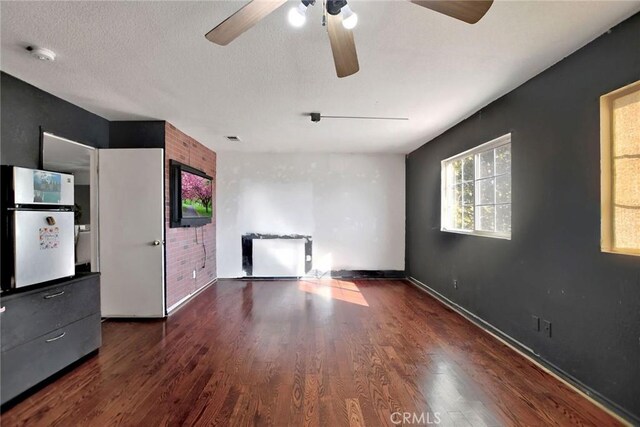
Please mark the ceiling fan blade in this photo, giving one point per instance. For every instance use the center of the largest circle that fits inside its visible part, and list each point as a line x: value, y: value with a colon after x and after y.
x: 242, y: 20
x: 469, y: 11
x: 343, y: 47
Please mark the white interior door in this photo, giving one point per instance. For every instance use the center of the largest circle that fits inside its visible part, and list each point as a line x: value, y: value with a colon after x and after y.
x: 131, y: 203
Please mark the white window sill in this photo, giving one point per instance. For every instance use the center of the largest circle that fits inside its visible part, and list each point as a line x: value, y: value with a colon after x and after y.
x: 490, y: 234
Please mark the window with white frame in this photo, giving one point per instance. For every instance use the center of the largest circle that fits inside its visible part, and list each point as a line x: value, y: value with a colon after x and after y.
x: 620, y: 170
x: 476, y: 190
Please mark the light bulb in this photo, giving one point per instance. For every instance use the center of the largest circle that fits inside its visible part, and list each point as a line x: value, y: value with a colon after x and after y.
x: 349, y: 17
x: 298, y: 15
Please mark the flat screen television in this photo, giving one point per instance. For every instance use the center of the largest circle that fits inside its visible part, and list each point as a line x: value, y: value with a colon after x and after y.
x: 191, y: 196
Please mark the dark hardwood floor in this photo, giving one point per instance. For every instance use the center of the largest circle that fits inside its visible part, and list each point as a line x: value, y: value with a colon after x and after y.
x: 334, y: 353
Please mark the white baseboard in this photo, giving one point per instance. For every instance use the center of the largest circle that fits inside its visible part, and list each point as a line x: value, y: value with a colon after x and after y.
x: 186, y: 299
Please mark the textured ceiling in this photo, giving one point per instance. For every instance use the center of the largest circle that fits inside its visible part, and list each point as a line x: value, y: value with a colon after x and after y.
x: 150, y: 61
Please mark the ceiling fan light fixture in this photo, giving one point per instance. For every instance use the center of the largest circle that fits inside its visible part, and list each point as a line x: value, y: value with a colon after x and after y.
x: 298, y: 15
x: 349, y: 17
x: 345, y: 57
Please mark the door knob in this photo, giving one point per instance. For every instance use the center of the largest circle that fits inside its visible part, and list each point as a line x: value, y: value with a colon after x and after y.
x: 156, y: 243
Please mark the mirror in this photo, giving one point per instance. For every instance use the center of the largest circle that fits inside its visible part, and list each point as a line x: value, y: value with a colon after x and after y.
x: 63, y: 155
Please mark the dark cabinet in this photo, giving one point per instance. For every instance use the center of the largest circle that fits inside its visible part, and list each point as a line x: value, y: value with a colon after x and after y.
x: 44, y: 330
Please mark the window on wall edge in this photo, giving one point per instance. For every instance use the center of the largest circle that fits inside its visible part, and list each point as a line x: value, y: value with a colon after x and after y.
x: 620, y: 170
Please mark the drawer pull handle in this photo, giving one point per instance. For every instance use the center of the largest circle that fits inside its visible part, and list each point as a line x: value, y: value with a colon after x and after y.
x: 56, y: 338
x: 54, y: 295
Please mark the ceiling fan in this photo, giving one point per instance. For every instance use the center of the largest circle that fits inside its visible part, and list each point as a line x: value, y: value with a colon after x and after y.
x: 339, y: 19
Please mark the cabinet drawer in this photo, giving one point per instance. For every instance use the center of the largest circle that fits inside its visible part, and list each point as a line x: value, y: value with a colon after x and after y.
x: 33, y: 314
x: 26, y: 365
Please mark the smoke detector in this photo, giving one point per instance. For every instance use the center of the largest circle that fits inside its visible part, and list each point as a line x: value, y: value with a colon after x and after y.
x: 41, y: 53
x: 233, y: 138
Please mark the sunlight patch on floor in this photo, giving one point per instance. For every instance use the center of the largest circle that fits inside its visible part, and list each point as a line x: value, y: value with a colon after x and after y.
x: 335, y: 290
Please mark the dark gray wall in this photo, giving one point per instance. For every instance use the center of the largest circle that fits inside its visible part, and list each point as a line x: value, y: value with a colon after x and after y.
x: 552, y: 267
x: 136, y: 134
x: 26, y: 109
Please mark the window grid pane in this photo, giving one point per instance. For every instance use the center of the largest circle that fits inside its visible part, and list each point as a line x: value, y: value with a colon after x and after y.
x: 625, y: 194
x: 493, y: 189
x: 503, y: 189
x: 503, y: 159
x: 503, y: 218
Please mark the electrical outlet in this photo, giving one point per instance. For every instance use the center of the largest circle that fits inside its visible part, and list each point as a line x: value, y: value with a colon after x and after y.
x: 535, y: 323
x: 547, y: 327
x: 194, y: 274
x: 455, y: 283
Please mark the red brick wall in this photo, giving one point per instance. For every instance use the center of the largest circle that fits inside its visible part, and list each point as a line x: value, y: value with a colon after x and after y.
x: 183, y: 254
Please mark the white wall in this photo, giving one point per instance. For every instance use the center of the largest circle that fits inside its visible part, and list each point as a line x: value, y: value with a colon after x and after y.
x: 353, y: 205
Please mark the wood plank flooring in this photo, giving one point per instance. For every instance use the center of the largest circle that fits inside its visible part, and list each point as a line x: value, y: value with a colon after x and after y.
x: 329, y: 353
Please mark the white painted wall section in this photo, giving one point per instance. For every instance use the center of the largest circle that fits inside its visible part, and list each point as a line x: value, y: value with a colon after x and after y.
x: 353, y: 206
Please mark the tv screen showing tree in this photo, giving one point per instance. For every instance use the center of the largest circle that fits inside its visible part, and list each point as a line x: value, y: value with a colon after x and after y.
x: 196, y: 196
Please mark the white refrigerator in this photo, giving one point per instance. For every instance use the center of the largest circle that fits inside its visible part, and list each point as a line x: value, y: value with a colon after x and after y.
x: 40, y: 218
